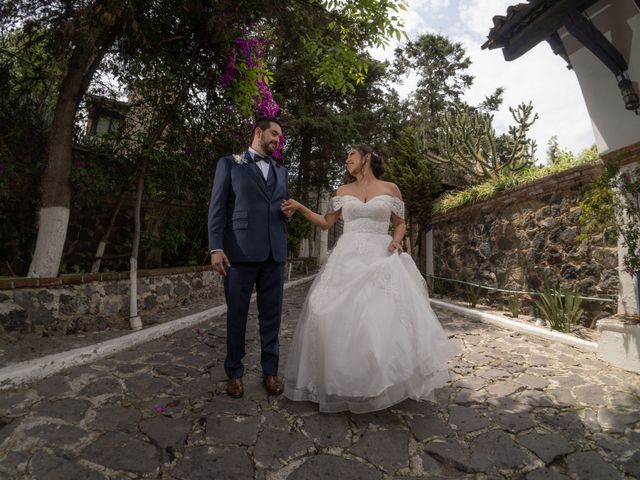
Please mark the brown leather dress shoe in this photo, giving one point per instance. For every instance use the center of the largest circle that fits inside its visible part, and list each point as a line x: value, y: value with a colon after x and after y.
x: 273, y: 384
x: 235, y: 387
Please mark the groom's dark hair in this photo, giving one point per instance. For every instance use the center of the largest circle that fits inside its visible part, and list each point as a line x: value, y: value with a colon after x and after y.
x: 264, y: 123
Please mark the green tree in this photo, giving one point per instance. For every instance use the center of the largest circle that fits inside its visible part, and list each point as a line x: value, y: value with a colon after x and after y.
x: 419, y: 184
x: 87, y: 32
x: 417, y: 181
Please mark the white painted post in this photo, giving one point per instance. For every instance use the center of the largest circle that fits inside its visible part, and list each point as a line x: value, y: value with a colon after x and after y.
x: 135, y: 322
x: 429, y: 255
x: 619, y: 336
x: 628, y: 293
x: 52, y: 232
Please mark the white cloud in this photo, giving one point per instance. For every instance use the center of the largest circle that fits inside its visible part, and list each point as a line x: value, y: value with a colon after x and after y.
x: 538, y: 76
x: 476, y: 15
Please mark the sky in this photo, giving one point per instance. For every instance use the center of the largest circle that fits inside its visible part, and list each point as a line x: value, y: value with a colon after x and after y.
x: 538, y: 76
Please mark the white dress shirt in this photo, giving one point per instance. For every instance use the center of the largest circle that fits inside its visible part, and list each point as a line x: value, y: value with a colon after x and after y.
x: 263, y: 165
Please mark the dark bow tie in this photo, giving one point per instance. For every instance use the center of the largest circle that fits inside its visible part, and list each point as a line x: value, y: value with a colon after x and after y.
x: 258, y: 158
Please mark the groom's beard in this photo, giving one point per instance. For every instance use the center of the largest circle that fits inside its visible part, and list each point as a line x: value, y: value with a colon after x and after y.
x: 268, y: 147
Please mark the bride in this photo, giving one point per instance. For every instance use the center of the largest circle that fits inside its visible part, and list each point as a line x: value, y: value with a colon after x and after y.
x: 367, y: 337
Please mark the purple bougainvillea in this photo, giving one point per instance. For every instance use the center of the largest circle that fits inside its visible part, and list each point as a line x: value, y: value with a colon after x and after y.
x: 251, y: 52
x: 248, y: 54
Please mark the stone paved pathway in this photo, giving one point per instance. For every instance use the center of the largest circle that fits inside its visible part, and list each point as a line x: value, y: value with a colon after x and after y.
x: 516, y: 408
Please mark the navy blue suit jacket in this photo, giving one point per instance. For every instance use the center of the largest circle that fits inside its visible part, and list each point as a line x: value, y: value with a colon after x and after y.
x: 245, y: 220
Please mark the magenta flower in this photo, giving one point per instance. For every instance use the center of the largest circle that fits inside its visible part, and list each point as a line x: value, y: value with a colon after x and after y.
x: 278, y: 151
x: 200, y: 332
x: 252, y: 52
x: 632, y: 271
x: 161, y: 409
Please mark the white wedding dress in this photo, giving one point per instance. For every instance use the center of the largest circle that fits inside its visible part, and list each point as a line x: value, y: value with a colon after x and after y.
x: 367, y: 337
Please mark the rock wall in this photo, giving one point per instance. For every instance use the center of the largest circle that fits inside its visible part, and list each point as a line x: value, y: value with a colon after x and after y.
x: 516, y: 239
x: 94, y: 301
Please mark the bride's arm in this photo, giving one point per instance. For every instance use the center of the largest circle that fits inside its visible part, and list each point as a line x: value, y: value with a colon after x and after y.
x: 323, y: 221
x: 399, y: 229
x: 399, y: 225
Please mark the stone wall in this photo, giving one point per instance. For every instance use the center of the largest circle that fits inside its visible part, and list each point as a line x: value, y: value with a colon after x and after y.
x: 514, y: 240
x: 94, y: 301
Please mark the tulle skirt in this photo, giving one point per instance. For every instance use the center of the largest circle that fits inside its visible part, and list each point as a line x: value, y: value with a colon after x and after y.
x: 367, y: 337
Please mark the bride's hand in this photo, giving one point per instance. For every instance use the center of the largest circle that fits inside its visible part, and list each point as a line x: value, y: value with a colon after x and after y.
x: 395, y: 247
x: 289, y: 206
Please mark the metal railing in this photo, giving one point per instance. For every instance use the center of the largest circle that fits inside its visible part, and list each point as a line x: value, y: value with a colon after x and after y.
x: 505, y: 290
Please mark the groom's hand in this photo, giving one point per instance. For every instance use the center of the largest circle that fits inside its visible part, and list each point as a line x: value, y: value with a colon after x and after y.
x: 220, y: 262
x: 287, y: 209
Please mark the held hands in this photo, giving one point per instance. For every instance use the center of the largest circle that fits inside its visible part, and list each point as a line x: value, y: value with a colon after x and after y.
x: 395, y: 247
x: 289, y: 207
x: 220, y: 262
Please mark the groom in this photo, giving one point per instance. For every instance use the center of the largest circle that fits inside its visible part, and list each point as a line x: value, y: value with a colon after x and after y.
x: 248, y: 245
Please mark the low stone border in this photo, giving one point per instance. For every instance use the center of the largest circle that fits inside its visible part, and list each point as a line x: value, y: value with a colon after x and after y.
x: 12, y: 283
x: 518, y: 326
x: 86, y: 298
x: 22, y: 373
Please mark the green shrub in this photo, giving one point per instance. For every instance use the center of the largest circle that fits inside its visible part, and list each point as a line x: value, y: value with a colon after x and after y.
x: 511, y: 181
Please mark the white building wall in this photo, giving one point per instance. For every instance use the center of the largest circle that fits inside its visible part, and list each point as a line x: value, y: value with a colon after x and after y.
x: 613, y: 126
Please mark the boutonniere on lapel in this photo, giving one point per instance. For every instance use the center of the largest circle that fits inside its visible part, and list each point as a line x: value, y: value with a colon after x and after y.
x: 239, y: 159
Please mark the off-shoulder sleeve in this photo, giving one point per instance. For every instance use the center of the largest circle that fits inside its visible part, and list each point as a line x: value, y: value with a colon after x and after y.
x: 335, y: 203
x: 397, y: 207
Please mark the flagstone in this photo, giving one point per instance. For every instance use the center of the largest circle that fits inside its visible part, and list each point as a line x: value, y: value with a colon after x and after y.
x: 44, y: 466
x: 500, y: 449
x: 69, y: 409
x: 238, y: 430
x: 591, y: 465
x: 329, y: 467
x: 275, y: 447
x: 57, y: 434
x: 546, y: 446
x: 119, y: 451
x: 431, y: 426
x: 166, y: 432
x: 328, y: 430
x: 198, y: 463
x: 388, y: 449
x: 466, y: 419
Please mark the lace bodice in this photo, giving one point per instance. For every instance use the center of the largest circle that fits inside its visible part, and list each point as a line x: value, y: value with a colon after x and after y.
x: 370, y: 217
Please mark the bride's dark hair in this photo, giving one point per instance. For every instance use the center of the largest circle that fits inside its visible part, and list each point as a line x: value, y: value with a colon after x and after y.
x: 377, y: 164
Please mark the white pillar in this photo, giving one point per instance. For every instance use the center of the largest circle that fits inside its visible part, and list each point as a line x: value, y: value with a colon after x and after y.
x: 429, y: 254
x: 628, y: 293
x: 304, y: 248
x: 619, y: 340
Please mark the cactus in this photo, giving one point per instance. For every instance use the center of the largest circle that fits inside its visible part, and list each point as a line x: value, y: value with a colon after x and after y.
x: 467, y: 142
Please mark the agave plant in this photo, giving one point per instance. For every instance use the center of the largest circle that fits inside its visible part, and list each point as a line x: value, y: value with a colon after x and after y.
x: 514, y: 306
x: 560, y: 307
x: 474, y: 293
